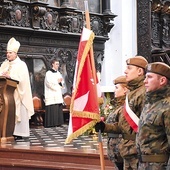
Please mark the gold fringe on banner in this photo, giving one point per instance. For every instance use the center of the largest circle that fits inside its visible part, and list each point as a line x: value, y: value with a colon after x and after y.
x: 80, y: 131
x: 86, y: 114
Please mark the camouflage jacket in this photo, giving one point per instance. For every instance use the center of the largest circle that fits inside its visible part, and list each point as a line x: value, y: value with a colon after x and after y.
x: 112, y: 143
x: 153, y: 136
x: 118, y: 102
x: 136, y: 97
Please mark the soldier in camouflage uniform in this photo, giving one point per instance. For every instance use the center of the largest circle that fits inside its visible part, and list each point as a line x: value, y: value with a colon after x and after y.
x: 153, y: 137
x: 115, y: 138
x: 135, y: 72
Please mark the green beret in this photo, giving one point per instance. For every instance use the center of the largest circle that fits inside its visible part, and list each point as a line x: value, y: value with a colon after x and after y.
x: 159, y: 68
x: 138, y: 61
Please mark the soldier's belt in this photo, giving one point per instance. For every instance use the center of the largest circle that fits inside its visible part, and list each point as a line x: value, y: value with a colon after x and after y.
x: 113, y: 135
x: 155, y: 158
x: 128, y: 137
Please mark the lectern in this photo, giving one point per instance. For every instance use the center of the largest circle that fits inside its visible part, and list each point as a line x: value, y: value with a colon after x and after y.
x: 7, y: 108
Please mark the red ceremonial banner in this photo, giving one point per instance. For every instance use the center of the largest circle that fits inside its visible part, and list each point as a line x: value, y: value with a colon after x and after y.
x: 84, y: 109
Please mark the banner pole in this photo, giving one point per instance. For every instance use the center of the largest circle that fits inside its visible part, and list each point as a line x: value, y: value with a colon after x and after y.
x: 87, y: 16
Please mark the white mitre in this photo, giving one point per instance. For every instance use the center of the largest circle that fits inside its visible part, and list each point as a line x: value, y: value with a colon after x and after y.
x: 13, y: 45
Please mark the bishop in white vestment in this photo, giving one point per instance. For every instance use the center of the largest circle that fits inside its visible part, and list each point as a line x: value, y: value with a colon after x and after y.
x: 13, y: 67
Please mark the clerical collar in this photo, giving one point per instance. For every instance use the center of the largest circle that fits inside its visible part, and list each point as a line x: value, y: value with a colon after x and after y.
x: 54, y: 71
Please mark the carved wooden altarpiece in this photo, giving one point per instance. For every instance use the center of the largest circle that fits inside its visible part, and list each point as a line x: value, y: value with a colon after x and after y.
x: 50, y: 29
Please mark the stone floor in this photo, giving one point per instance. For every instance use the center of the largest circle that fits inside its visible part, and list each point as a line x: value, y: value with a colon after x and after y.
x: 46, y: 145
x: 54, y: 138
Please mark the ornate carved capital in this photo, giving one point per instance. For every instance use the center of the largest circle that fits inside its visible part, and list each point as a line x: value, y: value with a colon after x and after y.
x: 108, y: 24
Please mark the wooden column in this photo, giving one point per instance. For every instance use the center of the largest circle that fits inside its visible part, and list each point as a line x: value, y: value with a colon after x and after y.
x: 7, y: 109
